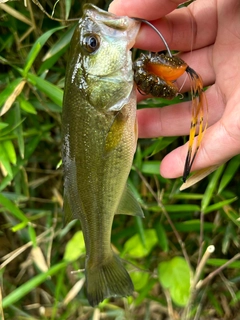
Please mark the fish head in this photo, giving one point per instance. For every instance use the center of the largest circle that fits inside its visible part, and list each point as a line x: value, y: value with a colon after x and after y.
x: 100, y: 62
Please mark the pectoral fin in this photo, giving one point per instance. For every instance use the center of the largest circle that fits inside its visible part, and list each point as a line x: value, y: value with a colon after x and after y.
x: 115, y: 132
x: 129, y: 205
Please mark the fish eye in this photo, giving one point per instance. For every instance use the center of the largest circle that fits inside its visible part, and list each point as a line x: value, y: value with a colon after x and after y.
x: 91, y: 43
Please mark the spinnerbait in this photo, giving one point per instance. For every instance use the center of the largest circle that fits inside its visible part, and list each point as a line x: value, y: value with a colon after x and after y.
x: 155, y: 73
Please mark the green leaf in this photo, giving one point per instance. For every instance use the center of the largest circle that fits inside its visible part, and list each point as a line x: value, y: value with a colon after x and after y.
x: 32, y: 235
x: 68, y: 4
x: 212, y: 185
x: 232, y: 214
x: 175, y: 276
x: 30, y: 147
x: 56, y: 50
x: 144, y: 292
x: 75, y: 247
x: 221, y: 262
x: 37, y: 47
x: 4, y: 160
x: 139, y: 279
x: 182, y: 207
x: 187, y: 196
x: 26, y: 105
x: 12, y: 208
x: 229, y: 236
x: 193, y: 225
x: 9, y: 90
x: 162, y: 236
x: 151, y: 167
x: 3, y: 125
x: 32, y: 56
x: 138, y: 158
x: 161, y: 144
x: 216, y: 304
x: 135, y: 248
x: 10, y: 131
x: 229, y: 173
x: 18, y: 130
x: 219, y: 205
x: 51, y: 91
x: 19, y: 226
x: 10, y: 151
x: 140, y: 228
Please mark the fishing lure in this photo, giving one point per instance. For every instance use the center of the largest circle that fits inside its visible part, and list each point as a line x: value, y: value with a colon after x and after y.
x: 155, y: 74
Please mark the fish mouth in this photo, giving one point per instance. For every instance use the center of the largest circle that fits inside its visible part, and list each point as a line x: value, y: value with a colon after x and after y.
x: 113, y: 22
x: 109, y: 19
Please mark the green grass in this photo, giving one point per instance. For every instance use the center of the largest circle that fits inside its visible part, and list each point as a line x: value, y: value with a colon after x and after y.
x: 165, y: 252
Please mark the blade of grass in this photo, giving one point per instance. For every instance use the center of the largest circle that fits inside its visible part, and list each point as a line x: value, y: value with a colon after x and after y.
x: 51, y: 91
x: 12, y: 97
x: 19, y: 130
x: 30, y: 147
x: 219, y: 205
x: 212, y: 185
x: 229, y: 173
x: 13, y: 209
x: 4, y: 161
x: 68, y: 4
x: 1, y: 309
x: 16, y: 14
x: 8, y: 91
x: 56, y: 50
x: 28, y: 286
x: 9, y: 149
x: 37, y: 47
x: 26, y: 105
x: 3, y: 125
x: 140, y: 229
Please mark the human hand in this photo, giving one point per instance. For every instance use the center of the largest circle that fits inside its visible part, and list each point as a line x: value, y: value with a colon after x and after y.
x: 207, y: 33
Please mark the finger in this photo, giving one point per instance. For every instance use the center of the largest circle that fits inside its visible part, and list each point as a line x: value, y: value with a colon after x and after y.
x: 175, y: 119
x: 187, y: 28
x: 215, y: 149
x: 220, y: 143
x: 148, y: 9
x: 184, y: 29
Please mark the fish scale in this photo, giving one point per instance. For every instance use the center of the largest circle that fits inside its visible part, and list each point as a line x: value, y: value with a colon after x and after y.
x: 99, y: 141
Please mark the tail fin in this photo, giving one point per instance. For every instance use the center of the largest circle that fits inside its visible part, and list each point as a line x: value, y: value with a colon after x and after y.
x: 110, y: 279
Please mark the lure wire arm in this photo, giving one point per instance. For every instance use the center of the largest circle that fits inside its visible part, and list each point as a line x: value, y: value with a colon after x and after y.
x: 158, y: 32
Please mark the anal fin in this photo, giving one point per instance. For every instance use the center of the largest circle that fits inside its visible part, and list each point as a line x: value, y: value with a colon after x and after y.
x: 129, y: 205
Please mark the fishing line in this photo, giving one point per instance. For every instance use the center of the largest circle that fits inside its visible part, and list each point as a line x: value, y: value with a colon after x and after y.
x: 184, y: 81
x: 191, y: 50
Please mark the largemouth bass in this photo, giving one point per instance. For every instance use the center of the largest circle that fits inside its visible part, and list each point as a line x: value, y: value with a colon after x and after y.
x: 99, y: 140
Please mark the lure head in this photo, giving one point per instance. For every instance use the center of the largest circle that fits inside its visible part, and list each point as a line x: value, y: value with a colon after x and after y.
x: 100, y: 59
x: 155, y: 73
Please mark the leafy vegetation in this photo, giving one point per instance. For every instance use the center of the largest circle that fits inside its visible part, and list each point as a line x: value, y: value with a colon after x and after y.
x: 169, y: 254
